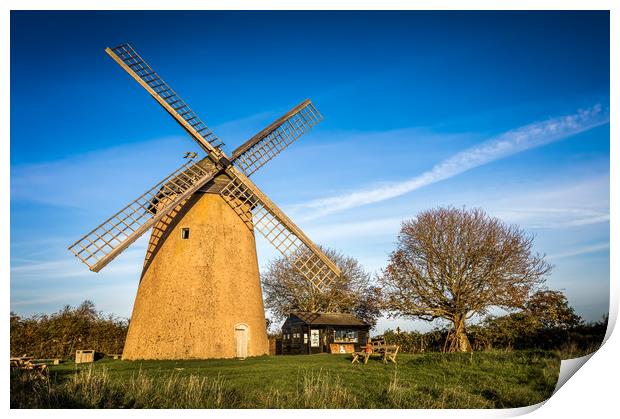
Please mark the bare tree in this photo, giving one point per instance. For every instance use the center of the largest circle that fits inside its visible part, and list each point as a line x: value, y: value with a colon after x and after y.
x: 287, y: 291
x: 455, y: 263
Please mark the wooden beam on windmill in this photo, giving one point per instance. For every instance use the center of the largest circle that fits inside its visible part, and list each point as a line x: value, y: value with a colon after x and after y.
x: 108, y: 240
x: 264, y: 146
x: 136, y: 67
x: 279, y: 230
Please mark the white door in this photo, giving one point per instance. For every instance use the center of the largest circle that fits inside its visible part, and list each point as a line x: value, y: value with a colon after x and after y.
x: 241, y: 340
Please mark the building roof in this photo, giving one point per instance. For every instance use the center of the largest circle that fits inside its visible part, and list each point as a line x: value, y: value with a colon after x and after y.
x: 332, y: 319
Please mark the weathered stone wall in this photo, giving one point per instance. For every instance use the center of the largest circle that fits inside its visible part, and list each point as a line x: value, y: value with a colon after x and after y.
x: 193, y: 292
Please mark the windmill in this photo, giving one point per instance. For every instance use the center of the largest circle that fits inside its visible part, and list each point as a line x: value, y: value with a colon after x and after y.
x: 199, y: 294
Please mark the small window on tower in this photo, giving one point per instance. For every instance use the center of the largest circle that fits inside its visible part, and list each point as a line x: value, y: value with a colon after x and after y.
x: 185, y: 233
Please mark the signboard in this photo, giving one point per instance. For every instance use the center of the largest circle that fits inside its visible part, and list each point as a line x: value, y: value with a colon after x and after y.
x: 314, y: 338
x: 341, y: 348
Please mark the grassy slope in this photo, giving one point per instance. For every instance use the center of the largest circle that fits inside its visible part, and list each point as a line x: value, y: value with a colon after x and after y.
x: 434, y: 380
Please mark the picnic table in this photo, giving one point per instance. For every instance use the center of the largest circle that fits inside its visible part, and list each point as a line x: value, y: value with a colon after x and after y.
x: 377, y: 348
x: 25, y: 363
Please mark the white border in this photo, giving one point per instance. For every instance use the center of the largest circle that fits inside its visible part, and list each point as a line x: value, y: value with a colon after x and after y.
x: 590, y: 393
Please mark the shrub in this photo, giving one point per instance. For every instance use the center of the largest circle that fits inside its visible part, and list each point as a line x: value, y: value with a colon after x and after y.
x: 60, y: 334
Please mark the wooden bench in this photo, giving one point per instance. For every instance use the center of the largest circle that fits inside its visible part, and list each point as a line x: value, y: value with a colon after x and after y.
x: 378, y: 348
x: 361, y: 354
x: 26, y: 364
x: 389, y: 353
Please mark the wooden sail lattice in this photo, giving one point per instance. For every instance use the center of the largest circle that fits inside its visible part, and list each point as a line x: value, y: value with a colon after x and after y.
x: 266, y: 218
x: 164, y: 200
x: 97, y: 248
x: 271, y: 141
x: 136, y: 65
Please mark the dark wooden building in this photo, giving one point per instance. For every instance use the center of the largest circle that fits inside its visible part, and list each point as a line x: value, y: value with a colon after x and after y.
x: 313, y: 333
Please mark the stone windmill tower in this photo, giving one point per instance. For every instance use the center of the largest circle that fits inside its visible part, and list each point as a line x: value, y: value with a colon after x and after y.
x: 199, y: 294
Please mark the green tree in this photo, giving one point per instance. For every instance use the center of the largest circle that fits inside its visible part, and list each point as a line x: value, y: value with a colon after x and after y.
x: 551, y: 309
x: 60, y: 334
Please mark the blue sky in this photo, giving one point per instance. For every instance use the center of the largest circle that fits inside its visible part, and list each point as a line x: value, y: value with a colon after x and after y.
x: 508, y: 111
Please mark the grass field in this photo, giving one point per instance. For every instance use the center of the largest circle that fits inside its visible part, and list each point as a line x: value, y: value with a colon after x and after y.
x: 432, y: 380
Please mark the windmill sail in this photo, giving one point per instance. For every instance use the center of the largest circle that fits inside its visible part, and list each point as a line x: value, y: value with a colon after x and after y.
x: 268, y: 143
x: 242, y: 195
x: 131, y: 62
x: 105, y: 242
x: 97, y: 248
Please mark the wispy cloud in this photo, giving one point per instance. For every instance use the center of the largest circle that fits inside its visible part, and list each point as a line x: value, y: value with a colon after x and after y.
x: 515, y: 141
x: 576, y: 203
x: 388, y: 227
x: 67, y: 266
x: 554, y: 206
x: 384, y: 226
x: 89, y: 180
x: 581, y: 251
x: 70, y: 268
x: 551, y: 218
